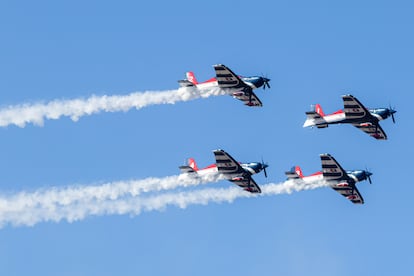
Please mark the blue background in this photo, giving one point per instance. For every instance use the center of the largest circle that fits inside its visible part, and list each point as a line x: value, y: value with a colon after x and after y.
x: 313, y: 51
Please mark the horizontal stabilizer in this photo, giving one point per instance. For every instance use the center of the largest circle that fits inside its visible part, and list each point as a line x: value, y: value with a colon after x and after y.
x: 294, y: 173
x: 187, y: 169
x: 185, y: 83
x: 312, y: 115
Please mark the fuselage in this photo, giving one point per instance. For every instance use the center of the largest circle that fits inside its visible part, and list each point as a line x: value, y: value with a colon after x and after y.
x: 251, y: 168
x: 253, y: 82
x: 339, y: 117
x: 354, y: 177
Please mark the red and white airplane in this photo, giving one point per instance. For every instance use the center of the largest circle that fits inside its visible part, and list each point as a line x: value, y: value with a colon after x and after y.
x: 239, y: 87
x: 341, y: 181
x: 238, y: 173
x: 354, y: 113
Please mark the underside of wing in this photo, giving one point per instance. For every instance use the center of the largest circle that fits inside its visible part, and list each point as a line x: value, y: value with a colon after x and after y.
x: 247, y: 183
x: 350, y: 192
x: 331, y: 169
x: 354, y: 110
x: 248, y: 97
x: 372, y: 129
x: 226, y: 164
x: 226, y: 78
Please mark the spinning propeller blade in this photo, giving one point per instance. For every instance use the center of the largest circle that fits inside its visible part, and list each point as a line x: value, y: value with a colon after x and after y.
x: 266, y: 83
x: 368, y: 175
x: 392, y: 111
x: 264, y: 166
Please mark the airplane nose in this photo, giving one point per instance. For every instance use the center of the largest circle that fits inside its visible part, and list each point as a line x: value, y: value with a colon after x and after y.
x: 368, y: 176
x: 265, y: 82
x: 264, y: 166
x: 392, y: 112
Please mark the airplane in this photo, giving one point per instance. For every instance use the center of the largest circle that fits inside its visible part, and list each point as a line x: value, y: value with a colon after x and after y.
x: 353, y: 113
x: 238, y: 173
x: 239, y: 87
x: 340, y: 180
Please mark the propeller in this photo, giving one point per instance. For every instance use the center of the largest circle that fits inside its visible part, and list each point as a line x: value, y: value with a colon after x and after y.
x: 368, y: 175
x: 266, y: 83
x: 264, y: 166
x: 392, y: 111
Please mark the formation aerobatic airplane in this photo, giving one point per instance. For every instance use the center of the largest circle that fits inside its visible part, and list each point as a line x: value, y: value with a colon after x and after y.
x: 353, y: 113
x: 238, y: 173
x: 340, y: 180
x: 239, y: 87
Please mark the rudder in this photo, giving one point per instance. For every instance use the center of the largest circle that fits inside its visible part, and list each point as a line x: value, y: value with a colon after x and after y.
x: 191, y: 78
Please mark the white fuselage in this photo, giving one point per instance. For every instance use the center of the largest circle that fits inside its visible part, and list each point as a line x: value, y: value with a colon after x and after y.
x: 334, y: 118
x: 327, y: 119
x: 318, y: 176
x: 313, y: 178
x: 214, y: 84
x: 212, y: 169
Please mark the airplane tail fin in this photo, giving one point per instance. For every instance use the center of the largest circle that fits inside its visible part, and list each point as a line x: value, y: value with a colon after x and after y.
x: 315, y: 117
x: 294, y: 173
x: 192, y: 163
x: 191, y: 78
x: 318, y: 109
x: 190, y: 168
x: 190, y: 81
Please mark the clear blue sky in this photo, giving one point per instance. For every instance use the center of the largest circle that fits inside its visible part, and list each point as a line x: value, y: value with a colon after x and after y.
x: 313, y: 52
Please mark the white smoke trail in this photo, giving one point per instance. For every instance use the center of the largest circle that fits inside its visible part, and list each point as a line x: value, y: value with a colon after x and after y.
x: 23, y: 210
x: 109, y: 191
x: 36, y: 113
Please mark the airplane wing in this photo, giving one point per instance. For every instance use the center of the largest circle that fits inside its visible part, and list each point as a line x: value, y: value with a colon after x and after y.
x: 332, y: 171
x: 350, y: 193
x: 229, y: 167
x: 226, y: 164
x: 372, y: 129
x: 248, y: 98
x: 226, y: 78
x: 353, y: 109
x: 247, y: 183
